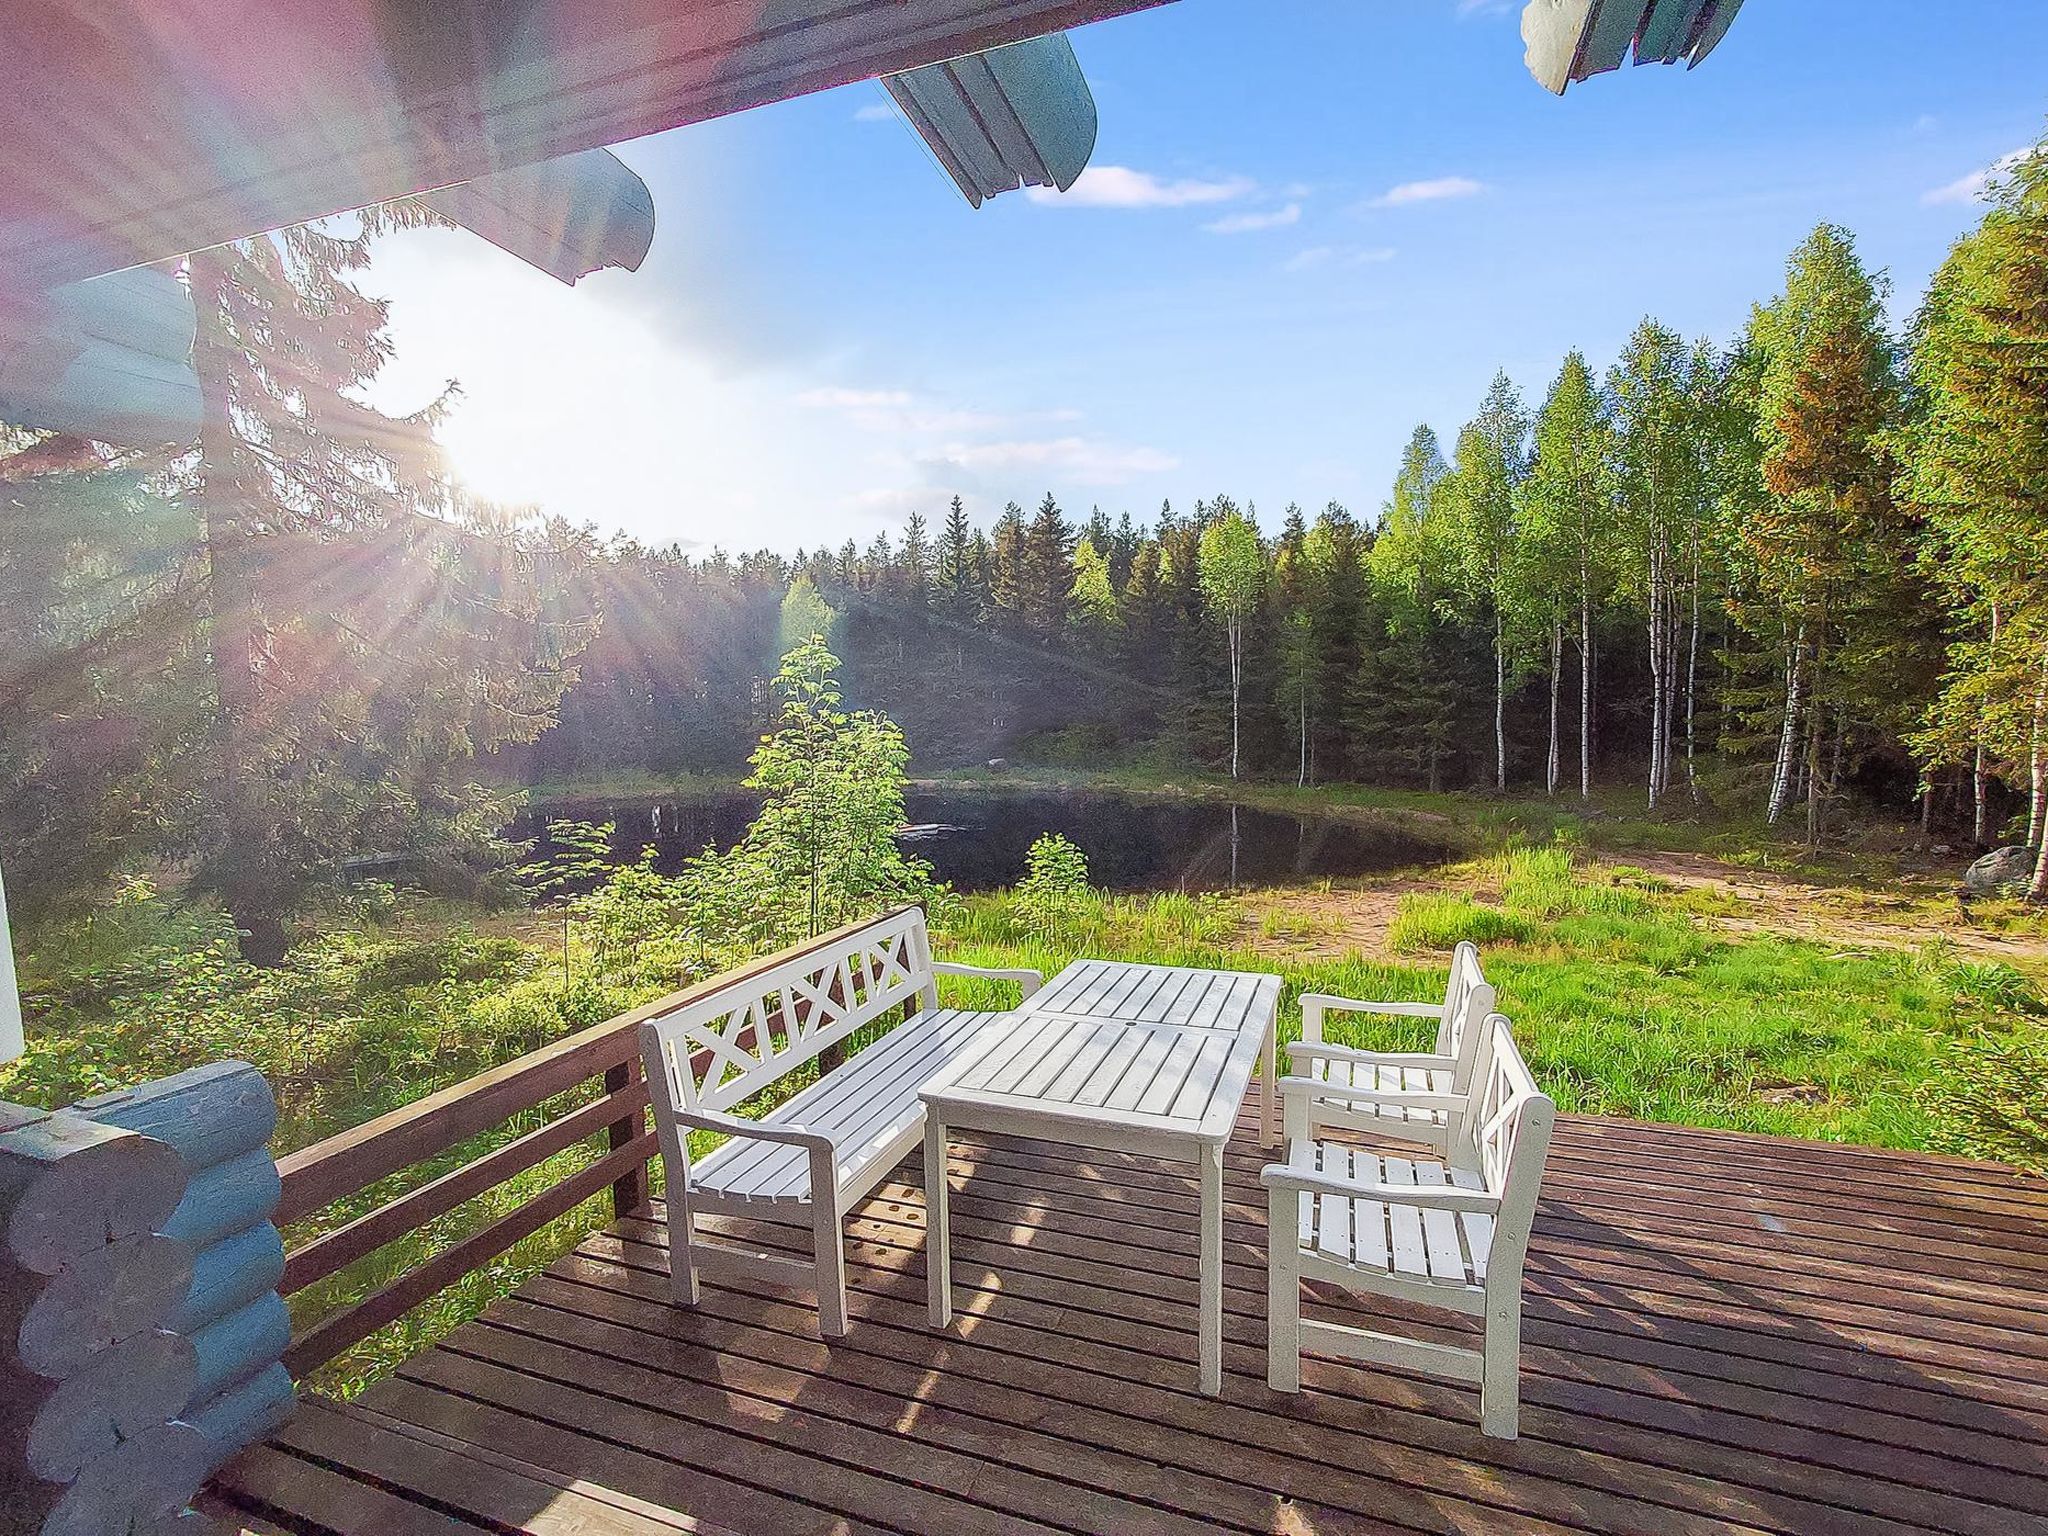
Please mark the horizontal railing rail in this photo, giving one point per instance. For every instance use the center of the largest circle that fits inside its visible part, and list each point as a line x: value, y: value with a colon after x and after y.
x: 346, y: 1164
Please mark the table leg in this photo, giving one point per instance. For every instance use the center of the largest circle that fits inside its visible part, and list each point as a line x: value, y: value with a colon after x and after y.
x: 938, y: 1255
x: 1269, y: 1083
x: 1211, y: 1326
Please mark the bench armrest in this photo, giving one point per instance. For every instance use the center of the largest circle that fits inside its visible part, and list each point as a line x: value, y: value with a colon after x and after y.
x: 1318, y: 1050
x: 1325, y: 1003
x: 1443, y: 1197
x: 1028, y: 981
x: 1320, y: 1088
x: 824, y: 1169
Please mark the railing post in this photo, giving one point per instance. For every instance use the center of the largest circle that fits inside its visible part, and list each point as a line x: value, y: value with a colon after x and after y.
x: 630, y: 1193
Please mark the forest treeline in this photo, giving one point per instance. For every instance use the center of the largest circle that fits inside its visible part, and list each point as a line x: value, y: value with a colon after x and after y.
x: 1777, y: 571
x: 1780, y: 572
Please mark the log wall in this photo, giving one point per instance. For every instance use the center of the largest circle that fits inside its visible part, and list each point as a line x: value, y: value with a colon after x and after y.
x: 93, y: 1382
x: 218, y: 1120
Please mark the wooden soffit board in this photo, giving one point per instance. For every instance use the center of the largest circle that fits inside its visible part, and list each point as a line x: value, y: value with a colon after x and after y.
x: 136, y: 130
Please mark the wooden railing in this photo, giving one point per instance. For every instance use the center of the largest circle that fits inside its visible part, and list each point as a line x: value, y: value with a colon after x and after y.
x: 345, y: 1165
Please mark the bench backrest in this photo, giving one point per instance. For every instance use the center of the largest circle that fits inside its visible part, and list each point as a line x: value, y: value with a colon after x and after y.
x: 1507, y: 1138
x: 1468, y: 1000
x: 724, y: 1045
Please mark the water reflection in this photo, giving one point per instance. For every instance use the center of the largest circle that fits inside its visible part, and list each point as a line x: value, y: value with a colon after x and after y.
x: 977, y: 841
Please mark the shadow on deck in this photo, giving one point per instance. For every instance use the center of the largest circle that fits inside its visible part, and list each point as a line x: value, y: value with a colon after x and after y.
x: 1722, y: 1333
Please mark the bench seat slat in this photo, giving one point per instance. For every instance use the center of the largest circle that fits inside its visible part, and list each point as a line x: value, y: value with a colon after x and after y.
x: 863, y: 1106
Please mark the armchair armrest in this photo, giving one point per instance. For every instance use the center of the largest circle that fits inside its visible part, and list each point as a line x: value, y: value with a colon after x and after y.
x: 1325, y: 1003
x: 1028, y: 981
x: 1443, y: 1197
x: 1319, y: 1088
x: 1320, y: 1050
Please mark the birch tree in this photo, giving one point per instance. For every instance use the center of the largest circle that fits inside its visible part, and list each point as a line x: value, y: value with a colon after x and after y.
x: 1567, y: 531
x: 1653, y: 464
x: 1232, y: 569
x: 1480, y: 497
x: 1413, y: 571
x: 1828, y: 398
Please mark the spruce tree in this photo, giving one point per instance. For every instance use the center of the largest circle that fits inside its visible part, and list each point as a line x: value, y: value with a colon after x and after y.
x: 1976, y: 472
x: 370, y: 628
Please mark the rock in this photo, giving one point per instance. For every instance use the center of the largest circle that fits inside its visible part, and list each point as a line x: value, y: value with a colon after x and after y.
x: 998, y: 764
x: 2001, y: 872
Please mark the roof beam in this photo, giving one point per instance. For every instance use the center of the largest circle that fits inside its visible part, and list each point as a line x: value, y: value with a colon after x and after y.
x: 139, y: 131
x: 1020, y: 116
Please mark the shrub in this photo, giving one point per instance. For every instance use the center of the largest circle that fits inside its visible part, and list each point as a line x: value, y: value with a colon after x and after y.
x: 1989, y: 1098
x: 1054, y: 894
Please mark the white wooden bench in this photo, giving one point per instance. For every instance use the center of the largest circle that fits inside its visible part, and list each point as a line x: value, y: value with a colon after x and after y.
x: 808, y: 1158
x: 1407, y: 1088
x: 1443, y: 1234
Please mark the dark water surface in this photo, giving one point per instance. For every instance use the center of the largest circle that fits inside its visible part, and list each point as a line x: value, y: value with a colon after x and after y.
x: 977, y: 841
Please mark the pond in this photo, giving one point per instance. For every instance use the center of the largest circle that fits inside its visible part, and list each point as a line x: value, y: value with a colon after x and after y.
x: 977, y: 841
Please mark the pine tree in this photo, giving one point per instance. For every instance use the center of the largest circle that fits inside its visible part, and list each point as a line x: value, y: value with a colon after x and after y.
x: 1336, y: 552
x: 918, y: 572
x: 1048, y: 554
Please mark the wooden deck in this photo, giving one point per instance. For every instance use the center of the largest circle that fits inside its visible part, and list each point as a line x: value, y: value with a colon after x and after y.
x: 1723, y: 1333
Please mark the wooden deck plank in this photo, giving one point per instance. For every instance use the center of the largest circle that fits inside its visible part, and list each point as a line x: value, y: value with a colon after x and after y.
x: 1716, y: 1445
x: 1722, y: 1333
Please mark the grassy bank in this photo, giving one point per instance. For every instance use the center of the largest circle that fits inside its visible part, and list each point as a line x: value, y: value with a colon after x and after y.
x: 1631, y: 994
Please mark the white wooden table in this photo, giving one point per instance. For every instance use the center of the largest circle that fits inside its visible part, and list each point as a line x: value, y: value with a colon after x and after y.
x: 1167, y: 1083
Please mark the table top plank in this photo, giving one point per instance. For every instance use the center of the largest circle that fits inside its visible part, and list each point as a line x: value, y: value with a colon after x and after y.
x: 1159, y: 1051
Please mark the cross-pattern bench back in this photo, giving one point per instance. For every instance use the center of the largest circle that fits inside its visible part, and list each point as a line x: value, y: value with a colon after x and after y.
x: 728, y: 1045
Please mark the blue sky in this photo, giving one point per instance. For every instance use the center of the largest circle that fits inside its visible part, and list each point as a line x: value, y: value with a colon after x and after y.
x: 1308, y: 225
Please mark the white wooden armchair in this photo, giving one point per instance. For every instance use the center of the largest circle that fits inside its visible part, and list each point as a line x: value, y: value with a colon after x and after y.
x: 1444, y: 1234
x: 1405, y: 1090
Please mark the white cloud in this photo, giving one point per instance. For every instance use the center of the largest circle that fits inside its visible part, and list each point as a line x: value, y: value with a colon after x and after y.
x: 1337, y: 256
x: 853, y: 399
x: 1968, y: 189
x: 898, y: 411
x: 1118, y: 186
x: 1441, y: 189
x: 874, y: 112
x: 1082, y: 460
x: 1247, y: 223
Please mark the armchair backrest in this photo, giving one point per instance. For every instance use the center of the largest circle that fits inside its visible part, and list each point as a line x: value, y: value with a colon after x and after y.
x: 1468, y: 1000
x: 1507, y: 1135
x: 724, y: 1041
